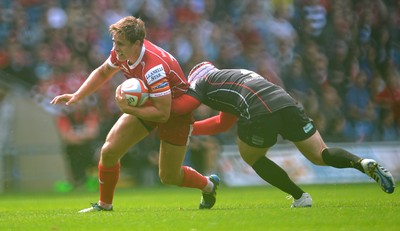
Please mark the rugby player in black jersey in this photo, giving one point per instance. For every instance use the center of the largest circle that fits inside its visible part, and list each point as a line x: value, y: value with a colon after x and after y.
x: 263, y: 111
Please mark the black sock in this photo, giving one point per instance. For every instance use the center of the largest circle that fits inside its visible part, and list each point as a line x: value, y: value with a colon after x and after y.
x: 340, y: 158
x: 276, y: 176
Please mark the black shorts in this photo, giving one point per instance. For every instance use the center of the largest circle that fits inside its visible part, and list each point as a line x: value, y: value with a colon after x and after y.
x: 291, y: 123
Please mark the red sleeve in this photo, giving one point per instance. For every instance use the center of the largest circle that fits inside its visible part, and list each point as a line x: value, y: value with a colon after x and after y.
x: 214, y: 125
x: 184, y: 104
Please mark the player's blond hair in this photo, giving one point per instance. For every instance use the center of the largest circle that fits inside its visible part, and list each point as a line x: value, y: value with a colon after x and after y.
x: 130, y: 27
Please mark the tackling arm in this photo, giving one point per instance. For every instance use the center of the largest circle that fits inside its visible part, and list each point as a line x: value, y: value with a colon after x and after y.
x: 214, y: 125
x: 184, y: 104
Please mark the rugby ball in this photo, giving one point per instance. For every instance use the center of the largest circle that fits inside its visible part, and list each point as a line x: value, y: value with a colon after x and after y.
x: 135, y: 92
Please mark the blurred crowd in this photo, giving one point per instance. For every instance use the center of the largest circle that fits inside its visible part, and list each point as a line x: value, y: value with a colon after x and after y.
x: 339, y: 58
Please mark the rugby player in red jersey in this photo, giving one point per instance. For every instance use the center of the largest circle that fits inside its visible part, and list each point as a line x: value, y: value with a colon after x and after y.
x: 263, y: 111
x: 137, y: 57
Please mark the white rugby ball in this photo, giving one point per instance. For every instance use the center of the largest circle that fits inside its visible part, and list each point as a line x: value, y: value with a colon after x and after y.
x: 135, y: 91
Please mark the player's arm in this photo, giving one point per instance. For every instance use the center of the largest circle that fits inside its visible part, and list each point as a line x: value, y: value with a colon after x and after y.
x: 95, y: 80
x: 184, y: 104
x: 214, y: 125
x: 157, y: 111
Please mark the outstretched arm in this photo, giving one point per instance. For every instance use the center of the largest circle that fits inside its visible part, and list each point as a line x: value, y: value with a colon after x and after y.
x: 214, y: 125
x: 95, y: 80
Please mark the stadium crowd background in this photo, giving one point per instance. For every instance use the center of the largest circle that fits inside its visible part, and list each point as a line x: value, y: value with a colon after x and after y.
x: 339, y: 58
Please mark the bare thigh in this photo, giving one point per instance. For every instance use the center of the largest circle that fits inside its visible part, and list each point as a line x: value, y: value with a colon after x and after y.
x: 250, y: 154
x: 125, y: 133
x: 312, y: 148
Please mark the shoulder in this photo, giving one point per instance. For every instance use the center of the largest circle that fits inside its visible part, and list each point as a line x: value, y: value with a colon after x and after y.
x: 157, y: 54
x: 154, y: 52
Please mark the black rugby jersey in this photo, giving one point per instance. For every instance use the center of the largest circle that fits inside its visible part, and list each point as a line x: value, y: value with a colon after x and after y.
x: 241, y: 92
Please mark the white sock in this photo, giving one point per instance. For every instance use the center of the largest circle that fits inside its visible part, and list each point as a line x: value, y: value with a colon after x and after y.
x: 105, y: 205
x: 209, y: 187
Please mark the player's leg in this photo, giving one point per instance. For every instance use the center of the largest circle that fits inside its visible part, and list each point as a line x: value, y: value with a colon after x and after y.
x: 255, y: 138
x: 318, y: 153
x: 315, y: 150
x: 170, y: 162
x: 125, y: 133
x: 300, y: 129
x: 307, y: 139
x: 269, y: 170
x: 312, y: 148
x: 172, y: 172
x: 174, y: 137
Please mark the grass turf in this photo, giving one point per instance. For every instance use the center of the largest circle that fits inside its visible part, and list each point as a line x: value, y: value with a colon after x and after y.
x: 335, y: 207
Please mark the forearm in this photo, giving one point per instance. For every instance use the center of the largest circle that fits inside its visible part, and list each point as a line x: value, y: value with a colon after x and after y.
x: 149, y: 113
x: 95, y: 80
x: 155, y: 109
x: 184, y: 104
x: 214, y: 125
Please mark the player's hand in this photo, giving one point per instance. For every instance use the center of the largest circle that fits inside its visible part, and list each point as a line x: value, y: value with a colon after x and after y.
x: 118, y: 94
x: 67, y: 99
x: 121, y: 100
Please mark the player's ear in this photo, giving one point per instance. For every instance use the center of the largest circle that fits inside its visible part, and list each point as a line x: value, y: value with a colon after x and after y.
x: 137, y: 43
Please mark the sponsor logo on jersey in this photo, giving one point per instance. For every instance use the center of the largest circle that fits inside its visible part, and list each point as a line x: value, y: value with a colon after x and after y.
x: 161, y: 85
x: 160, y: 93
x: 308, y: 127
x: 257, y: 140
x: 155, y: 73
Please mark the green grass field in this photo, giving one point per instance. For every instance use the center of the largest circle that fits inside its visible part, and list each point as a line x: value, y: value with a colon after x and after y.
x: 335, y: 207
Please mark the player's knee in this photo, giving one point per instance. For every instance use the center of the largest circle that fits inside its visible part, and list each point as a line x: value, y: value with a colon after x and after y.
x: 250, y: 159
x: 316, y: 159
x: 108, y: 155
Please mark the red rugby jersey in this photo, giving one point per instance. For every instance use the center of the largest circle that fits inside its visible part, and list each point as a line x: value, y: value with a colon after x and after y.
x: 159, y: 70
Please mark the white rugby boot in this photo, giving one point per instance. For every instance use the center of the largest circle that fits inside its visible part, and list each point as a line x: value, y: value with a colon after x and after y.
x: 380, y: 174
x: 304, y: 201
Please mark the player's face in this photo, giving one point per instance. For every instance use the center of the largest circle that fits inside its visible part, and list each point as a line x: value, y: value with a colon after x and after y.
x: 125, y: 50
